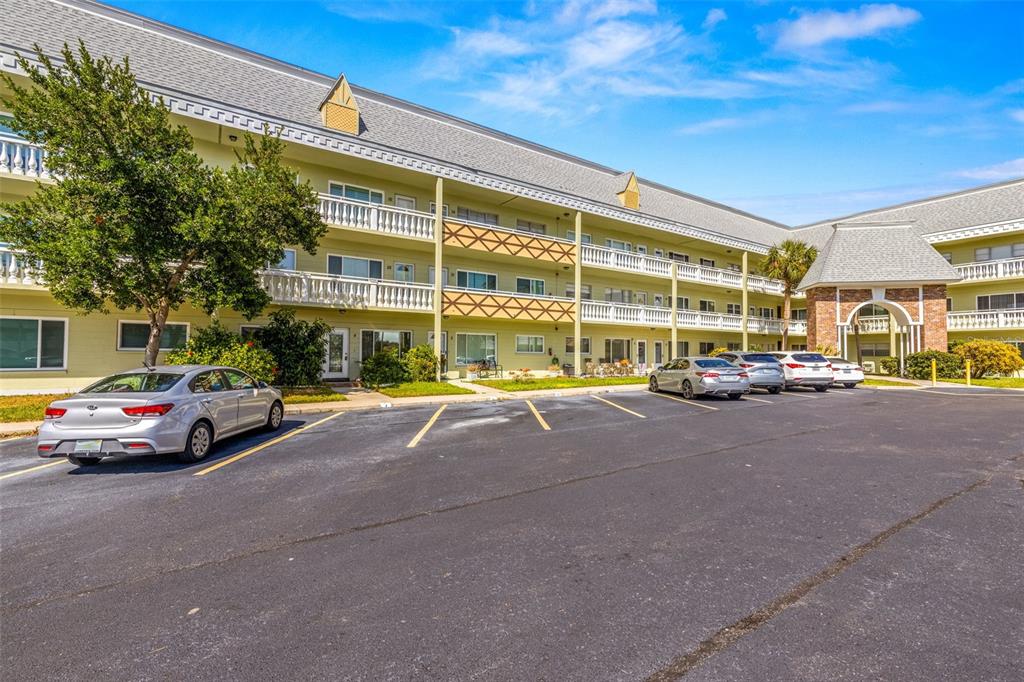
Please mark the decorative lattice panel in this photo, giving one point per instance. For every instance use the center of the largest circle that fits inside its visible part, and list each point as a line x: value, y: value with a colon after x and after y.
x: 508, y: 243
x: 504, y: 307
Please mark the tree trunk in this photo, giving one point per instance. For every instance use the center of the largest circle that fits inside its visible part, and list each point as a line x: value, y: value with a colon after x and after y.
x: 856, y: 339
x: 157, y: 321
x: 785, y: 319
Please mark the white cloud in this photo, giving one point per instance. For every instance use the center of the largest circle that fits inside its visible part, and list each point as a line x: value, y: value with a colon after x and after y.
x: 1017, y: 115
x: 885, y: 106
x: 1006, y: 170
x: 714, y: 18
x: 484, y: 43
x: 812, y: 29
x: 713, y: 125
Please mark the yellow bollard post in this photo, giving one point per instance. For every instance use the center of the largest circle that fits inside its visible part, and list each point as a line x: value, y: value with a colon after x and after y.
x: 934, y: 373
x: 968, y: 372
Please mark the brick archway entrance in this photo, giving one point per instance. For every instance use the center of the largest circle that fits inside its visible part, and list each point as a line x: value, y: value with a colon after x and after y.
x: 919, y: 313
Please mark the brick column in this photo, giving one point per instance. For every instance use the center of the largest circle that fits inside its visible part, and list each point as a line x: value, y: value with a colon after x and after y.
x: 821, y: 317
x: 934, y: 331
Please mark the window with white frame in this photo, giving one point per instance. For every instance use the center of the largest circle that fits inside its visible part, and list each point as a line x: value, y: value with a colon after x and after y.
x: 135, y: 335
x: 617, y: 349
x: 584, y: 237
x: 467, y: 279
x: 570, y: 345
x: 999, y: 252
x: 373, y: 341
x: 659, y: 253
x: 733, y: 308
x: 679, y: 257
x: 249, y: 331
x: 733, y: 345
x: 529, y: 344
x: 528, y: 226
x: 617, y: 244
x: 706, y: 347
x: 659, y: 300
x: 707, y: 262
x: 355, y: 192
x: 766, y: 312
x: 1001, y: 301
x: 472, y: 216
x: 444, y: 208
x: 799, y: 314
x: 683, y: 302
x: 529, y: 285
x: 641, y: 249
x: 405, y: 272
x: 352, y: 266
x: 34, y: 343
x: 287, y: 261
x: 706, y: 306
x: 407, y: 202
x: 475, y: 348
x: 641, y: 298
x: 586, y: 292
x: 444, y: 275
x: 682, y: 349
x: 613, y: 295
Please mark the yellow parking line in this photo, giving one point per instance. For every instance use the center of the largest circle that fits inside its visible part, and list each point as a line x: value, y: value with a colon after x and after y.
x: 688, y: 402
x: 262, y: 446
x: 35, y: 468
x: 426, y: 427
x: 543, y: 424
x: 624, y: 409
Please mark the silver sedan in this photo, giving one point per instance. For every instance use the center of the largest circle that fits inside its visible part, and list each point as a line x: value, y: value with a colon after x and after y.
x: 182, y: 409
x: 700, y: 376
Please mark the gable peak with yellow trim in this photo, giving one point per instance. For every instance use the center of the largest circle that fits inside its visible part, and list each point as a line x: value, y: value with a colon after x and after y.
x: 339, y: 109
x: 629, y: 197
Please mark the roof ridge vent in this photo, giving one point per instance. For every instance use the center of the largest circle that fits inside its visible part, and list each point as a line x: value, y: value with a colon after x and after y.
x: 339, y: 109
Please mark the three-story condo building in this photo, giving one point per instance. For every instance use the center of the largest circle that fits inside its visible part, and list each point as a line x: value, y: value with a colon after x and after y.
x: 497, y: 251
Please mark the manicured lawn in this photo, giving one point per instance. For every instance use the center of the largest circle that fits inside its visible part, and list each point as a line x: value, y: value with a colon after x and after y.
x: 885, y: 382
x: 412, y: 389
x: 557, y: 382
x: 994, y: 382
x: 310, y: 394
x: 26, y: 408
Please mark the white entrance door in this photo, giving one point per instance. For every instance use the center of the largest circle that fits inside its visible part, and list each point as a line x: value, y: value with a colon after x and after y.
x: 336, y: 354
x: 659, y: 354
x: 641, y: 355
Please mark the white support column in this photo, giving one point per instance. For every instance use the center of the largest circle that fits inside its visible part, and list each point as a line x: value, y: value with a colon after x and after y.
x: 675, y: 313
x: 577, y: 327
x: 438, y: 272
x: 744, y: 310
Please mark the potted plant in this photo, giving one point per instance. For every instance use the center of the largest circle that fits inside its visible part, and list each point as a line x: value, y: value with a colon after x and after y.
x: 472, y: 372
x: 553, y: 365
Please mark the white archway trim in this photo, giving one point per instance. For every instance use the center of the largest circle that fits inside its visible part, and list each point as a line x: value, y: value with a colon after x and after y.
x: 903, y: 318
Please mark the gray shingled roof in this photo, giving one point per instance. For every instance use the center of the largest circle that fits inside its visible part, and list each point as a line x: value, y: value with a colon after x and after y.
x: 879, y: 254
x: 978, y: 206
x: 170, y: 58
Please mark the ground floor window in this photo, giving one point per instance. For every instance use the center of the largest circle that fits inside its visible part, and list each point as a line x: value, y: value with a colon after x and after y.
x: 875, y: 350
x: 658, y: 353
x: 374, y: 341
x: 529, y: 344
x: 570, y: 344
x: 706, y: 347
x: 134, y: 335
x: 248, y: 331
x: 33, y: 343
x: 616, y: 350
x: 476, y: 348
x: 682, y: 349
x: 734, y: 346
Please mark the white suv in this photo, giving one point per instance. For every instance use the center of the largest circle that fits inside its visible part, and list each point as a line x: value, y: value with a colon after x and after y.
x: 806, y: 369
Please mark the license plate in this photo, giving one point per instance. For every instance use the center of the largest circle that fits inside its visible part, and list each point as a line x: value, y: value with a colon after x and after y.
x: 729, y: 377
x: 88, y: 445
x: 847, y: 371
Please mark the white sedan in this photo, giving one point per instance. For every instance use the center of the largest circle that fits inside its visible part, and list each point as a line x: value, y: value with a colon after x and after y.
x: 847, y: 373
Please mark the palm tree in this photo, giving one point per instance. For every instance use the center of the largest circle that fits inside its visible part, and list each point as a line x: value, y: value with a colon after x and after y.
x: 789, y: 262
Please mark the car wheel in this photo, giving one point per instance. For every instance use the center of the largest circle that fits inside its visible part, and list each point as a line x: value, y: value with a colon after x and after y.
x: 850, y: 385
x: 775, y: 390
x: 652, y: 385
x: 198, y: 443
x: 275, y: 417
x: 687, y: 390
x: 821, y: 389
x: 83, y: 461
x: 735, y: 396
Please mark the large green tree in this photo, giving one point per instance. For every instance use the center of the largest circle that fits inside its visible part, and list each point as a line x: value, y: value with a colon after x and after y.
x: 135, y: 218
x: 788, y: 261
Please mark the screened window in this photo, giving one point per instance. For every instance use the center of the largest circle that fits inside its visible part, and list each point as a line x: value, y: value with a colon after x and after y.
x: 1001, y: 301
x: 734, y: 308
x: 586, y: 292
x: 476, y: 280
x: 570, y: 345
x: 798, y: 314
x: 706, y: 347
x: 535, y: 228
x: 641, y: 249
x: 529, y: 344
x: 356, y: 193
x: 999, y: 252
x: 584, y: 237
x: 616, y: 244
x: 472, y: 216
x: 405, y: 272
x: 29, y: 343
x: 528, y: 285
x: 641, y: 298
x: 767, y: 312
x: 350, y: 266
x: 402, y: 201
x: 134, y: 335
x: 707, y: 262
x: 707, y: 306
x: 475, y: 348
x: 679, y: 257
x: 682, y: 348
x: 376, y: 340
x: 616, y: 350
x: 683, y: 302
x: 618, y: 295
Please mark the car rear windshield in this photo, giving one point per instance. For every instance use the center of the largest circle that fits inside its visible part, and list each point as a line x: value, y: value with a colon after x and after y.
x: 760, y: 357
x: 809, y: 357
x: 150, y: 382
x: 712, y: 362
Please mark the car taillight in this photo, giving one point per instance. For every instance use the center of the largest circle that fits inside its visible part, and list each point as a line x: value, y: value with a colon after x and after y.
x: 859, y: 369
x: 745, y: 364
x: 794, y: 365
x: 744, y: 375
x: 148, y: 410
x: 54, y: 413
x: 707, y: 375
x: 829, y: 365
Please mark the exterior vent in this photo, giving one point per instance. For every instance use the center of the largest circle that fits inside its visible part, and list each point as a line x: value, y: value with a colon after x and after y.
x: 630, y: 196
x: 339, y: 109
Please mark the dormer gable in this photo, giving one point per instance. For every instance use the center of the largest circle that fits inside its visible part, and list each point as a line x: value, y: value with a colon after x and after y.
x: 339, y: 109
x: 630, y: 196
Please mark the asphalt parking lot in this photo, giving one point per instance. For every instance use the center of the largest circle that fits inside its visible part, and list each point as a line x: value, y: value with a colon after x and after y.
x: 856, y: 534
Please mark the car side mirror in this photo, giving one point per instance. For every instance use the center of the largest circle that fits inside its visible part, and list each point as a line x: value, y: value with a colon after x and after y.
x: 261, y: 384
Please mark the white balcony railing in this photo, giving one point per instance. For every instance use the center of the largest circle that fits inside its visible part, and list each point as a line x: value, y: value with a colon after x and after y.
x: 398, y: 222
x: 16, y: 269
x: 873, y: 324
x: 993, y: 269
x: 985, y: 319
x: 19, y: 157
x: 625, y: 313
x: 625, y: 260
x: 312, y: 288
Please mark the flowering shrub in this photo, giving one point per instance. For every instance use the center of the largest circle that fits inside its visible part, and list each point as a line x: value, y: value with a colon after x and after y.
x: 990, y: 357
x: 215, y: 345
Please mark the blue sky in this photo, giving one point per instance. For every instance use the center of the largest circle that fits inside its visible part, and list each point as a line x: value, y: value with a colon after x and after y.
x: 794, y: 111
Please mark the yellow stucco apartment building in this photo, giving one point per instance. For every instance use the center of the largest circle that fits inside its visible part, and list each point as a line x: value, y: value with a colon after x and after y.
x: 504, y: 251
